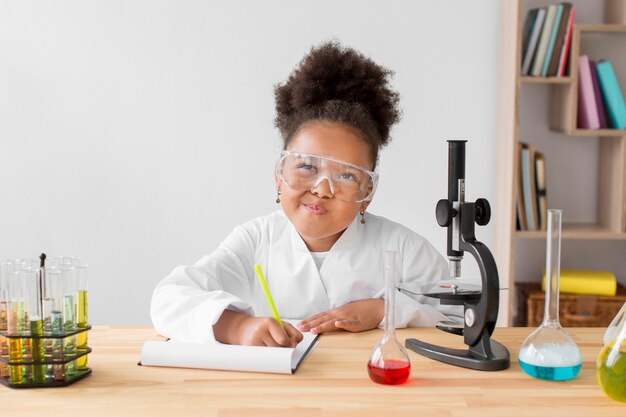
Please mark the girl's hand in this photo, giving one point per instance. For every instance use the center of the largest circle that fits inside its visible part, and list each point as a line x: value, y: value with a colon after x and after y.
x: 240, y: 329
x: 265, y: 331
x: 356, y: 316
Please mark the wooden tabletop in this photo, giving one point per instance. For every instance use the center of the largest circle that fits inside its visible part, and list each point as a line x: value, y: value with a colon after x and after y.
x: 332, y: 381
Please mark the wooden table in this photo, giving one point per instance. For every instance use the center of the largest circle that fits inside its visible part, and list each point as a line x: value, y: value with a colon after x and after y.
x: 332, y: 381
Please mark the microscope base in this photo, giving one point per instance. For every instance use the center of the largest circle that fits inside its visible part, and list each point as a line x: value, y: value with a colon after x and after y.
x: 498, y: 360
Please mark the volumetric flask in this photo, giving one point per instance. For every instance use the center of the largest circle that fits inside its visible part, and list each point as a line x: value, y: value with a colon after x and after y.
x: 389, y: 363
x: 549, y: 352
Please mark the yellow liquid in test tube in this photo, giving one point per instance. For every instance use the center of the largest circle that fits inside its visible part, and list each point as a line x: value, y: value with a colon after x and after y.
x: 37, y: 351
x: 82, y: 323
x: 16, y: 346
x: 4, y: 344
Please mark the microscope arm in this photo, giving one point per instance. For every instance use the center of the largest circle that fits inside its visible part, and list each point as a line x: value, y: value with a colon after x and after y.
x: 485, y: 311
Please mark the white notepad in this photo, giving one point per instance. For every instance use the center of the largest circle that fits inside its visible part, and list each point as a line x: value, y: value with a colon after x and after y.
x: 215, y: 355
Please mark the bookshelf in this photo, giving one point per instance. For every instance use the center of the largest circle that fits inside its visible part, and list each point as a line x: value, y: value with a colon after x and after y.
x: 586, y: 169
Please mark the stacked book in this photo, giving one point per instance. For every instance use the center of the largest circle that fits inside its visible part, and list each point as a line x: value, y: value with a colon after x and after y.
x: 546, y: 40
x: 600, y: 100
x: 532, y: 204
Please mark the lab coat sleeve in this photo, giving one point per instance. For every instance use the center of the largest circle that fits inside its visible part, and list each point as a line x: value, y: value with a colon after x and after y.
x: 188, y: 302
x: 422, y: 265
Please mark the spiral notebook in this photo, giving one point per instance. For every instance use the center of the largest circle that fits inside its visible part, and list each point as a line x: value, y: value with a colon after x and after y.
x: 215, y: 355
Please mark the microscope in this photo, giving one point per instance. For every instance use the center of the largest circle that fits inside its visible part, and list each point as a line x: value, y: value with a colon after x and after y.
x: 480, y: 306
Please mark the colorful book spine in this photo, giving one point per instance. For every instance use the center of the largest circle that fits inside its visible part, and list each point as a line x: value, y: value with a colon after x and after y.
x: 533, y: 41
x: 566, y: 44
x: 552, y: 39
x: 528, y: 181
x: 542, y: 199
x: 573, y: 281
x: 540, y: 55
x: 587, y: 108
x: 560, y: 39
x: 612, y: 94
x: 598, y: 94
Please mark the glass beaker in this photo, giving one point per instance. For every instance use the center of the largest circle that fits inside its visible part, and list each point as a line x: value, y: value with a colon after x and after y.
x: 389, y: 363
x: 611, y: 362
x: 549, y: 352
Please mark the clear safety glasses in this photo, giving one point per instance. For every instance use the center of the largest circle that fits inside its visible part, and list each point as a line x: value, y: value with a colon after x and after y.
x: 347, y: 182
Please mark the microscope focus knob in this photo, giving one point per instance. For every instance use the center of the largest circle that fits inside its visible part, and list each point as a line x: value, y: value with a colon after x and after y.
x: 483, y: 211
x: 444, y: 213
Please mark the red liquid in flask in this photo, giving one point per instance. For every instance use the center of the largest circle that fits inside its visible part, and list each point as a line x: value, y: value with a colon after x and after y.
x: 393, y: 372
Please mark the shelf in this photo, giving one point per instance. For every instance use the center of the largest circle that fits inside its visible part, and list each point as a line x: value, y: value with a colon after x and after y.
x: 546, y: 80
x: 594, y: 133
x: 575, y: 231
x: 600, y: 27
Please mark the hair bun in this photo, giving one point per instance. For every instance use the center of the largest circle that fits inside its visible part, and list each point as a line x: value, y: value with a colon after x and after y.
x: 333, y: 73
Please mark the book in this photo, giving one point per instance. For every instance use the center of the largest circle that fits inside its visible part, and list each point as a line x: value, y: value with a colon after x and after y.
x: 528, y: 185
x: 215, y: 355
x: 546, y: 31
x: 521, y: 214
x: 575, y: 281
x: 560, y: 38
x: 612, y: 94
x: 528, y: 29
x: 542, y: 200
x: 552, y: 40
x: 598, y: 94
x: 587, y: 108
x: 566, y: 44
x: 533, y: 41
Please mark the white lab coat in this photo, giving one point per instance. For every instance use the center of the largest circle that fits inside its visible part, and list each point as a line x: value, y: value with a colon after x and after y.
x: 188, y: 302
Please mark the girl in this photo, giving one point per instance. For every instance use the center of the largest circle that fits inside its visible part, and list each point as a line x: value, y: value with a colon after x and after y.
x: 322, y: 255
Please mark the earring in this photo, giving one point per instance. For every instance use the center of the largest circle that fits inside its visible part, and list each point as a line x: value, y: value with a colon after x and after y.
x: 278, y: 196
x: 362, y: 213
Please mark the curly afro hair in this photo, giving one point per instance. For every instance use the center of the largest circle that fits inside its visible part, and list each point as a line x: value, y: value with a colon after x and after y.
x: 338, y: 84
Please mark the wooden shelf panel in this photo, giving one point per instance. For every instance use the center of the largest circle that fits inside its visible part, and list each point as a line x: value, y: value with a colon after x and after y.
x: 594, y: 133
x: 546, y: 80
x: 600, y: 27
x: 575, y: 231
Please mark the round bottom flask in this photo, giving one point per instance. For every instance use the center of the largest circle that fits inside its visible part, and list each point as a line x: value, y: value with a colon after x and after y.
x: 611, y: 363
x: 389, y: 363
x: 549, y: 352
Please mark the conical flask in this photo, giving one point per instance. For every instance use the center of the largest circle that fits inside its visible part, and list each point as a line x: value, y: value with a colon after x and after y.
x: 611, y: 363
x: 389, y: 363
x: 549, y: 352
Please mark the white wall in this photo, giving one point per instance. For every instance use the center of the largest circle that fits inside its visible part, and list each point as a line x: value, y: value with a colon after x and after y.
x: 137, y: 134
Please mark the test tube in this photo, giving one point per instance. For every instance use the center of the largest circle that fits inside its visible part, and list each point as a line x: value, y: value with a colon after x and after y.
x: 68, y: 276
x: 5, y: 267
x: 53, y: 322
x: 32, y: 300
x: 82, y: 320
x: 16, y: 323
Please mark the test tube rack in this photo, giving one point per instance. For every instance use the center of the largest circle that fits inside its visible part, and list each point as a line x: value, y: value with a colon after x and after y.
x: 32, y: 370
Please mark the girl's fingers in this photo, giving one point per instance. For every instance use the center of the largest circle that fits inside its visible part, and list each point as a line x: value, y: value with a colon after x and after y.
x: 349, y: 325
x: 311, y: 322
x: 295, y: 336
x: 279, y: 335
x: 327, y: 326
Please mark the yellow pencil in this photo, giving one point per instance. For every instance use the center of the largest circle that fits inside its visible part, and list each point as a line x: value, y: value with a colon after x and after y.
x: 266, y: 290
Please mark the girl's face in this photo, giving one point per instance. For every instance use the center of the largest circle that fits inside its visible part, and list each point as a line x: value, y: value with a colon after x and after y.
x: 318, y: 216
